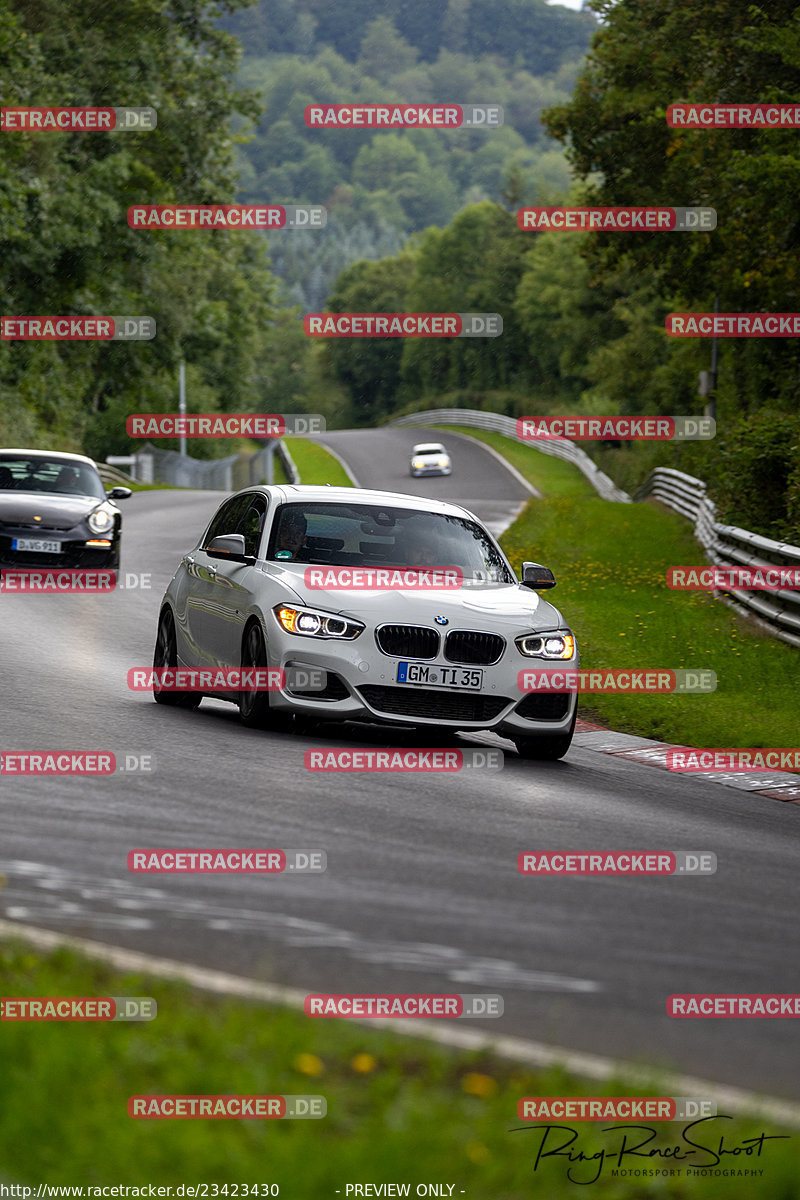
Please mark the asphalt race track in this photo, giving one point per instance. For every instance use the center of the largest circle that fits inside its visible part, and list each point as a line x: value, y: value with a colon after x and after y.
x: 422, y: 891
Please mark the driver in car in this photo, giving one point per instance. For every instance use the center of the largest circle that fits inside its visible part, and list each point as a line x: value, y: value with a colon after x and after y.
x: 67, y: 480
x: 291, y: 540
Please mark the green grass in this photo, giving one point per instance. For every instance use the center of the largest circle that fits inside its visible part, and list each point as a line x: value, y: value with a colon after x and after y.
x: 610, y: 561
x: 399, y: 1109
x: 316, y: 464
x: 552, y: 476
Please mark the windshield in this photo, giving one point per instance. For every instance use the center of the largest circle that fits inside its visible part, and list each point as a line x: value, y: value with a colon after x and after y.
x: 371, y: 536
x: 63, y: 476
x: 428, y: 450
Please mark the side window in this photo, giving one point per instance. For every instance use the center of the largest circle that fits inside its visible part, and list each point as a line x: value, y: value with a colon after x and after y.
x: 226, y: 518
x: 252, y: 524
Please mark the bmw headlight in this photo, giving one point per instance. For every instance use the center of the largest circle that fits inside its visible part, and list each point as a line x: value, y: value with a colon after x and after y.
x: 100, y: 521
x: 310, y: 622
x: 418, y: 463
x: 547, y: 645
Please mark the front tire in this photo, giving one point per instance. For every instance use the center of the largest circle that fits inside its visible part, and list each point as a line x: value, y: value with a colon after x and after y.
x: 166, y: 655
x: 255, y: 710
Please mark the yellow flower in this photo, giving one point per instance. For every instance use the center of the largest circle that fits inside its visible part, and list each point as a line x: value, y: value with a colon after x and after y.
x: 479, y: 1085
x: 364, y: 1063
x: 309, y: 1064
x: 478, y: 1153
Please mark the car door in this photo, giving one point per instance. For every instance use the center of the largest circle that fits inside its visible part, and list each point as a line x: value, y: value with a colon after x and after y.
x: 200, y: 626
x: 230, y: 596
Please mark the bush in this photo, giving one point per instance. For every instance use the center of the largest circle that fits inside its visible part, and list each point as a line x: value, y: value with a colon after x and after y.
x: 755, y: 477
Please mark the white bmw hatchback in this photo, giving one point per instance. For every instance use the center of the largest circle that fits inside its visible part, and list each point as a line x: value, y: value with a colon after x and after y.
x: 406, y: 609
x: 429, y: 458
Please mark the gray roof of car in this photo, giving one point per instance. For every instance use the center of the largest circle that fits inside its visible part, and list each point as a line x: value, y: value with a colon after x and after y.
x: 323, y: 493
x: 48, y: 454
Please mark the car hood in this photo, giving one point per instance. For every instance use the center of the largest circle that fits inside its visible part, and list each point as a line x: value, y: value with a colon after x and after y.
x: 475, y: 606
x: 56, y: 511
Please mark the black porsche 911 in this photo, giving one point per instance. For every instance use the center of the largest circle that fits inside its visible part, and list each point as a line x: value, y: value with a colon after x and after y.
x: 55, y: 511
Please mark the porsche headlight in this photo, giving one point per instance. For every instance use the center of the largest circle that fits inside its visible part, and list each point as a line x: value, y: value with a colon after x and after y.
x: 310, y: 622
x: 100, y: 521
x: 547, y: 645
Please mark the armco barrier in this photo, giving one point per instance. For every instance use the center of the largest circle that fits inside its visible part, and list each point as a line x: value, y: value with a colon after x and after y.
x: 152, y: 465
x: 725, y: 545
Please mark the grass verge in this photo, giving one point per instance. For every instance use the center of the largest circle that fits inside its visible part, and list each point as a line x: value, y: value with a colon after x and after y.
x: 398, y: 1109
x: 610, y: 561
x: 316, y: 464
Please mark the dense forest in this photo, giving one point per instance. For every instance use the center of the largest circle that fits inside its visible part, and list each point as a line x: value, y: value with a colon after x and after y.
x: 584, y: 313
x: 379, y: 186
x: 419, y: 220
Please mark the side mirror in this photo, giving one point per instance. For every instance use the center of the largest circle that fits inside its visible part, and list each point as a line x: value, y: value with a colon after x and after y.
x: 119, y: 493
x: 229, y: 546
x: 536, y: 577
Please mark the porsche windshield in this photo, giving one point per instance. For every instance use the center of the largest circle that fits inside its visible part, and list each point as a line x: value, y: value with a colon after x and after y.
x: 372, y: 536
x: 62, y: 476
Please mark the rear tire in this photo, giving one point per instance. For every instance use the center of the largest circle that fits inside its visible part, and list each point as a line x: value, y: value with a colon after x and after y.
x: 546, y: 749
x: 166, y: 655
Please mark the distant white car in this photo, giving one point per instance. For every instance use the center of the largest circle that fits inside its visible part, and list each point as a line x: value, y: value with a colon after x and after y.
x: 429, y: 458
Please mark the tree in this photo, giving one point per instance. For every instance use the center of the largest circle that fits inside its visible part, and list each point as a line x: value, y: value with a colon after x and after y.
x: 384, y: 52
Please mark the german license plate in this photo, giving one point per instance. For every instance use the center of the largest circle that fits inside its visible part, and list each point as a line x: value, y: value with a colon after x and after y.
x: 445, y: 677
x: 36, y: 545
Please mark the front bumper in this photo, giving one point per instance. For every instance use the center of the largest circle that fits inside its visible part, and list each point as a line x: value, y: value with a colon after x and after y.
x: 74, y: 551
x: 362, y: 686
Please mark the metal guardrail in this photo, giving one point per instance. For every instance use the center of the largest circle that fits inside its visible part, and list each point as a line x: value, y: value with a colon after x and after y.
x: 111, y: 476
x: 498, y: 423
x: 725, y: 545
x: 729, y: 546
x: 152, y: 465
